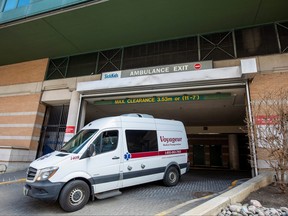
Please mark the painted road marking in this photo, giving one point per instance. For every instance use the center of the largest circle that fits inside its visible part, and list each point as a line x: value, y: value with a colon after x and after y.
x: 12, y: 182
x: 182, y: 205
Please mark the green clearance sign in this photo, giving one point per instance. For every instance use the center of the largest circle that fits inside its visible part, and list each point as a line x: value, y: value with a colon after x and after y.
x: 155, y: 99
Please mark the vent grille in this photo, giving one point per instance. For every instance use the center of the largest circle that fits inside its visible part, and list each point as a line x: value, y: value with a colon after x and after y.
x: 31, y: 173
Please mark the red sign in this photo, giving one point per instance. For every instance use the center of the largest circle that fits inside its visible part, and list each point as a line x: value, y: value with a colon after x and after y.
x: 266, y: 120
x: 70, y: 129
x: 197, y: 66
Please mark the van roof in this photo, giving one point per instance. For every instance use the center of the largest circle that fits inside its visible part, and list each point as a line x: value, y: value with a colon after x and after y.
x: 117, y: 121
x: 138, y: 115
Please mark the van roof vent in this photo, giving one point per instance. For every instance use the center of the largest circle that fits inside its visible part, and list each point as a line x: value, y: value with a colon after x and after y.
x: 138, y: 115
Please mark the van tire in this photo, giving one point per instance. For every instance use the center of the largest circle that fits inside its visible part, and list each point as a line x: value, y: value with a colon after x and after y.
x: 171, y: 177
x: 74, y: 196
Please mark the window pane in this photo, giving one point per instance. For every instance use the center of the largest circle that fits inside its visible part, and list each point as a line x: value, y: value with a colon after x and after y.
x: 10, y: 4
x: 23, y: 3
x: 106, y: 142
x: 141, y: 141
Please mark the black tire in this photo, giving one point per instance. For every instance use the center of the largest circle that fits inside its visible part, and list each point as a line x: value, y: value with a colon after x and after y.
x: 171, y: 177
x: 74, y: 196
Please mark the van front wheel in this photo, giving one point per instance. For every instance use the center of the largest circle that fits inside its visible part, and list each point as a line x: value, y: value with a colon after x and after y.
x: 171, y: 177
x: 74, y: 196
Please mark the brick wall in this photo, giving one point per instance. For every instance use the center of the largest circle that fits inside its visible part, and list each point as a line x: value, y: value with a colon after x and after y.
x: 21, y: 112
x: 20, y: 121
x: 273, y: 75
x: 26, y: 72
x: 267, y: 82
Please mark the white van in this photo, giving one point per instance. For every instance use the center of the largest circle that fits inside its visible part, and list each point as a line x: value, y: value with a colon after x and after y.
x: 109, y: 154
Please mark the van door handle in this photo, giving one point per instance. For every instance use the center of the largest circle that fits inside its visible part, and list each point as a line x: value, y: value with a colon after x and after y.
x: 115, y: 158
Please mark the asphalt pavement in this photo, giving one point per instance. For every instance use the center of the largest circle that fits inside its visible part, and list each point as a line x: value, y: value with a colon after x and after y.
x: 195, y: 188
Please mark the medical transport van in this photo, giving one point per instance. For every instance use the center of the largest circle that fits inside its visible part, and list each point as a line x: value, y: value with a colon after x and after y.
x: 107, y: 155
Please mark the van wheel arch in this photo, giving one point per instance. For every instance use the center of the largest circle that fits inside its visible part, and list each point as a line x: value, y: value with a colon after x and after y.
x: 80, y: 185
x: 88, y: 182
x: 172, y: 175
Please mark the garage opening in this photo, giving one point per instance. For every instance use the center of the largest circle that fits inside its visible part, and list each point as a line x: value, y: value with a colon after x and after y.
x: 214, y: 121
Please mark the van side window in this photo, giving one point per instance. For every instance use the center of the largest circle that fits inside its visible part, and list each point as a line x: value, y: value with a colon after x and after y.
x: 106, y: 141
x: 141, y: 140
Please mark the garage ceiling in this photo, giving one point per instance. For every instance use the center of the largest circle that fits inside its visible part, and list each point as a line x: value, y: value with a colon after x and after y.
x: 228, y: 111
x: 120, y: 23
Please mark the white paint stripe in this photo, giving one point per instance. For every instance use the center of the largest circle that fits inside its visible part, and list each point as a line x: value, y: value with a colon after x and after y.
x: 19, y: 138
x: 20, y: 125
x: 22, y: 114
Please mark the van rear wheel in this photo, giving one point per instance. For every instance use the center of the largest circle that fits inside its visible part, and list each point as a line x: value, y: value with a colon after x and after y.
x: 74, y: 196
x: 171, y: 177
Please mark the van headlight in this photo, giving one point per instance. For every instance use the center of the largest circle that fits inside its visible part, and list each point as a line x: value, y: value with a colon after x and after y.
x: 46, y: 173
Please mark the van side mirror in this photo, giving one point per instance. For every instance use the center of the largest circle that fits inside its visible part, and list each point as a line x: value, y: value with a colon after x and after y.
x: 89, y: 151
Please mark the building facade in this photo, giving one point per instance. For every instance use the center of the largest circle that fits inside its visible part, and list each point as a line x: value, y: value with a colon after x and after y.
x: 207, y: 80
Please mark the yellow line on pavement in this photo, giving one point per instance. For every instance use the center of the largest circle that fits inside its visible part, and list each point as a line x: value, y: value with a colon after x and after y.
x: 181, y: 205
x: 233, y: 184
x: 12, y: 182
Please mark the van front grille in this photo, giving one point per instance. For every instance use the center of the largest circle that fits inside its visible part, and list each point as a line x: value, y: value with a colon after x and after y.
x: 31, y: 173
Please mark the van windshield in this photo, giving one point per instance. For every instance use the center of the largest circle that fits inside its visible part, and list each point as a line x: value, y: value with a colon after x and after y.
x: 77, y: 142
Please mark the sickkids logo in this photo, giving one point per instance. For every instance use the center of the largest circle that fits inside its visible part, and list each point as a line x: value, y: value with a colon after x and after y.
x: 111, y: 75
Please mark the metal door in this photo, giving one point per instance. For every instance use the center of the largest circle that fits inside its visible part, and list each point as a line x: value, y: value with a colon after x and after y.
x: 53, y: 129
x: 198, y: 155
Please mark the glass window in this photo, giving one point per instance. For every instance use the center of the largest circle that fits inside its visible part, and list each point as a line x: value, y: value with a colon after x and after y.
x: 12, y: 4
x: 76, y: 143
x: 106, y: 141
x: 23, y: 3
x: 141, y: 141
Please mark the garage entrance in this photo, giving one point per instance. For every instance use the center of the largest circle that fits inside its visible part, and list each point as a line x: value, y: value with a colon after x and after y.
x: 211, y: 102
x: 211, y: 117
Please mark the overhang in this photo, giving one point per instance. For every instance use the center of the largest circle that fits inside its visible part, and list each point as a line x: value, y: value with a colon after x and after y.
x: 120, y: 23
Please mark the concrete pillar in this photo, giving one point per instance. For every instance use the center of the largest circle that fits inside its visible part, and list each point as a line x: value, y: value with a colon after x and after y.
x: 72, y: 116
x: 233, y: 152
x: 82, y: 114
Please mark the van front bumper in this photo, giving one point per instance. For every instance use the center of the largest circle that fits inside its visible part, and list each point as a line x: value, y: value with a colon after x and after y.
x: 45, y: 190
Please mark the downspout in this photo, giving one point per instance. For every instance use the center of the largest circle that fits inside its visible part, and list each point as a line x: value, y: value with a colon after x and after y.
x: 255, y: 171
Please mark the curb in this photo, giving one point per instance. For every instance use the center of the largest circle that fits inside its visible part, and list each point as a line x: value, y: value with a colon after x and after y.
x: 237, y: 194
x: 169, y: 211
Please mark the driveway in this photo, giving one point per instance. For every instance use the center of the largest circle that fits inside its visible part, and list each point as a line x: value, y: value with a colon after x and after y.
x: 148, y: 199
